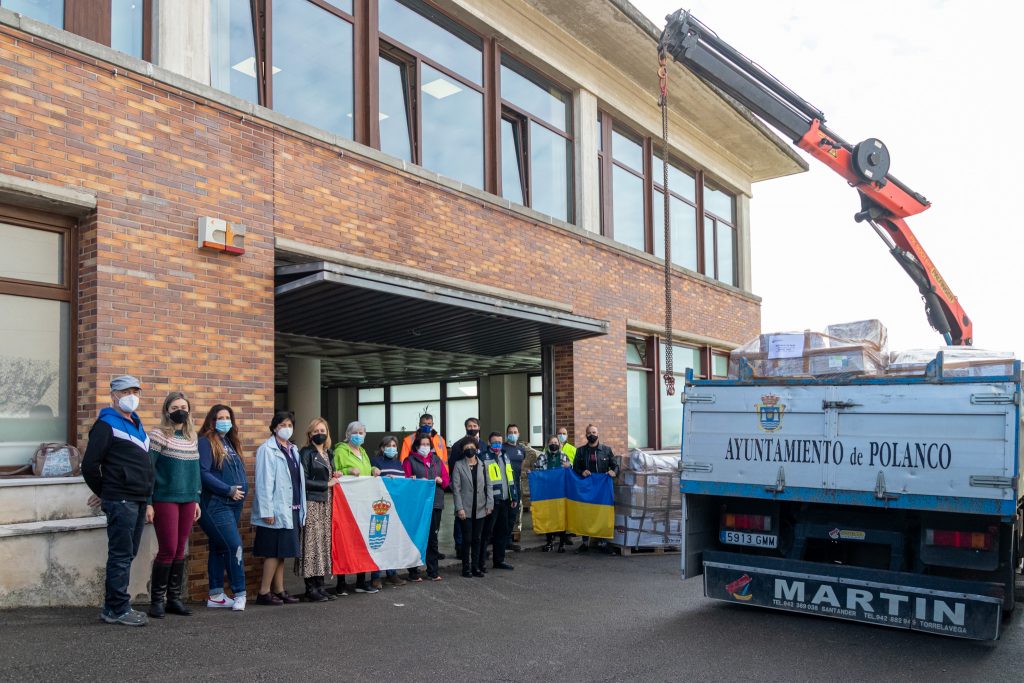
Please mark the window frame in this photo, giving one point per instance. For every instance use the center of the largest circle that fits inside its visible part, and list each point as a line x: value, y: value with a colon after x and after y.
x: 65, y: 293
x: 440, y: 417
x: 716, y: 222
x: 650, y: 368
x: 522, y: 119
x: 530, y: 393
x: 91, y: 19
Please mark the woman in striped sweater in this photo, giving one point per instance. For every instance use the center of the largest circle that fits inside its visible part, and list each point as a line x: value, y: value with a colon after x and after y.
x: 175, y: 501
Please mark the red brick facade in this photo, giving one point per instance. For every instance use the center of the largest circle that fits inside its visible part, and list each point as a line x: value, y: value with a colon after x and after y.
x: 150, y: 303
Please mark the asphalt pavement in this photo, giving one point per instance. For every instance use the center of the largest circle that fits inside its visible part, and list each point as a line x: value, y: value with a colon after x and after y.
x: 555, y: 617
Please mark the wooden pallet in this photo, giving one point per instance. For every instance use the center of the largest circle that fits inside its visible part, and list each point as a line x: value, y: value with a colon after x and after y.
x: 626, y: 551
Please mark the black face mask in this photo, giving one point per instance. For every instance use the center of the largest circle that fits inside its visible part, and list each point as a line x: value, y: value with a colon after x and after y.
x: 553, y: 447
x: 472, y: 432
x: 319, y: 439
x: 469, y: 453
x: 591, y: 438
x: 179, y: 417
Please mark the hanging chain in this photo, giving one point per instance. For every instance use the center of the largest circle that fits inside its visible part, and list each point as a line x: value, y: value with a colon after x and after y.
x: 669, y: 376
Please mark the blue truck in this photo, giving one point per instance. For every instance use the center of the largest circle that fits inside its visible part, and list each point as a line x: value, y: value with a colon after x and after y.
x: 887, y: 500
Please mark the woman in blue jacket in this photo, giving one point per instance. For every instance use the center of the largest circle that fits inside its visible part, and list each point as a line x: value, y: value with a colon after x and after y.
x: 224, y: 489
x: 278, y: 507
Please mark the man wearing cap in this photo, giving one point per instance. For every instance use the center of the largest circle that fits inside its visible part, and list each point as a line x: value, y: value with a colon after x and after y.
x: 118, y: 469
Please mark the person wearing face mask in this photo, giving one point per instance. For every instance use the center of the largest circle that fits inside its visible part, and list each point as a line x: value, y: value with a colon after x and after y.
x: 425, y: 463
x: 174, y: 449
x: 224, y: 489
x: 386, y: 461
x: 351, y: 460
x: 315, y: 563
x: 118, y: 470
x: 567, y: 448
x: 552, y: 458
x: 278, y: 508
x: 474, y: 500
x: 426, y: 428
x: 498, y: 526
x: 472, y: 437
x: 517, y: 453
x: 594, y: 458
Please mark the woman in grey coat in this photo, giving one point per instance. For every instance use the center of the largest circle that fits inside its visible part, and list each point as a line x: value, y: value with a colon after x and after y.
x: 474, y: 500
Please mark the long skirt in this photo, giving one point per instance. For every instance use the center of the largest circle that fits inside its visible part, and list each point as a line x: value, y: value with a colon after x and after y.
x: 316, y: 541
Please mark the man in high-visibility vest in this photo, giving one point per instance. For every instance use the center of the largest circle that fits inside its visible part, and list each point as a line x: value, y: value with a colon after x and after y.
x: 498, y: 525
x: 567, y: 448
x: 426, y: 429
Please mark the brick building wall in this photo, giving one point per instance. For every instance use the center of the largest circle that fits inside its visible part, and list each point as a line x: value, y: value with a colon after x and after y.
x: 150, y: 303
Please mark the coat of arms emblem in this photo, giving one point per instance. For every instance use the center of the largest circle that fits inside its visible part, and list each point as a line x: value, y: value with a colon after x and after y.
x: 379, y: 523
x: 769, y: 413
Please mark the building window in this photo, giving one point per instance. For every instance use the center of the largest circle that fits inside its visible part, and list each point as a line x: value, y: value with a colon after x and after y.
x: 536, y: 141
x: 624, y: 171
x: 671, y: 407
x: 235, y: 66
x: 397, y: 408
x: 439, y: 86
x: 536, y: 411
x: 719, y: 365
x: 36, y: 341
x: 719, y: 234
x: 311, y: 54
x: 121, y: 24
x: 682, y: 192
x: 639, y: 369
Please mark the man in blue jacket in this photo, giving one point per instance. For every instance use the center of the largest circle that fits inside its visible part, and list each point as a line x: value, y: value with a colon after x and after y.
x: 118, y: 470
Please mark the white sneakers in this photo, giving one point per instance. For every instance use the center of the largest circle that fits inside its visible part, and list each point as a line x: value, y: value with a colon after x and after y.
x: 220, y: 601
x: 239, y: 603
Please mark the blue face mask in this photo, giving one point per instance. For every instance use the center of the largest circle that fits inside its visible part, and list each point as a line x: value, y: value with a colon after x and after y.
x: 426, y: 429
x: 495, y: 445
x: 511, y: 438
x: 357, y: 439
x: 223, y: 426
x: 390, y: 452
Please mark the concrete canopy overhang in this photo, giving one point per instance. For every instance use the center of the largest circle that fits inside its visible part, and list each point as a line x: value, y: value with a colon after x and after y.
x: 333, y: 301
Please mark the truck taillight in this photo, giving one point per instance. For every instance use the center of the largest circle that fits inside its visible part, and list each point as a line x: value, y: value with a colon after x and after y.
x: 970, y: 540
x: 746, y: 522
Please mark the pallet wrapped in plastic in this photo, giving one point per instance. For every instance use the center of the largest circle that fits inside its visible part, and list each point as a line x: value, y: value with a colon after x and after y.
x: 870, y: 333
x: 648, y: 504
x: 812, y: 354
x: 957, y: 361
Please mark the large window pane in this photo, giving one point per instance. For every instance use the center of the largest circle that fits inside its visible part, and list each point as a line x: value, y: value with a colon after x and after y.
x: 511, y: 169
x: 628, y: 152
x: 718, y: 203
x: 394, y: 110
x: 427, y: 391
x: 725, y: 255
x: 684, y: 231
x: 628, y: 208
x: 405, y: 417
x: 462, y: 389
x: 34, y: 351
x: 720, y: 367
x: 233, y: 49
x: 680, y: 181
x: 709, y: 247
x: 445, y: 44
x: 371, y: 395
x: 453, y: 128
x: 343, y: 5
x: 126, y: 26
x: 636, y: 408
x: 312, y: 78
x: 536, y: 434
x: 536, y: 384
x: 543, y: 101
x: 456, y: 414
x: 47, y: 11
x: 373, y: 417
x: 549, y: 180
x: 683, y: 357
x: 34, y: 255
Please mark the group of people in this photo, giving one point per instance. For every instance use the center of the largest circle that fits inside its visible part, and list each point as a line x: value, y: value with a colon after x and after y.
x: 174, y: 476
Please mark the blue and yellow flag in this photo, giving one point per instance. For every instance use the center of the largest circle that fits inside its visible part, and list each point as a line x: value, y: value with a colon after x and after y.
x: 561, y: 500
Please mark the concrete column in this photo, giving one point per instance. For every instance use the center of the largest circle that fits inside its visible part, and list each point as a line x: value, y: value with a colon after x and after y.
x: 303, y: 391
x: 587, y: 189
x: 743, y: 250
x: 181, y: 37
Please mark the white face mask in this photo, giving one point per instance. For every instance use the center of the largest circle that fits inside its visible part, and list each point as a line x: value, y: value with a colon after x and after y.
x: 424, y: 450
x: 128, y: 403
x: 285, y: 433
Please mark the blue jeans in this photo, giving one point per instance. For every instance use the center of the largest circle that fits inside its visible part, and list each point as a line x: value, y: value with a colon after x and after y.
x: 125, y: 521
x: 219, y: 522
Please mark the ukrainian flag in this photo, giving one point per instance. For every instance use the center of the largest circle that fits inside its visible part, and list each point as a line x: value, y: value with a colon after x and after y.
x: 561, y: 500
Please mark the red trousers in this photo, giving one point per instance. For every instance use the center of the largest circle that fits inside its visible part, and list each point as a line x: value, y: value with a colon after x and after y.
x: 173, y: 522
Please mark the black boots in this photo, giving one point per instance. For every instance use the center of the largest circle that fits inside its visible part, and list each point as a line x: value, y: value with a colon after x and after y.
x: 157, y: 589
x: 174, y: 584
x: 313, y: 593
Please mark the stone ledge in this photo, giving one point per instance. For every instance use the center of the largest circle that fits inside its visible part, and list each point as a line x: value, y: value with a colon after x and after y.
x: 59, y: 199
x: 32, y: 480
x: 52, y: 527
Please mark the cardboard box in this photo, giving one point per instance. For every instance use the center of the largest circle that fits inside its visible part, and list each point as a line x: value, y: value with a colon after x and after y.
x: 850, y: 361
x: 870, y: 333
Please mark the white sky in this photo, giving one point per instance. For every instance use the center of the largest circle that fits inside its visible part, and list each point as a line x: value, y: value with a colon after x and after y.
x: 938, y: 82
